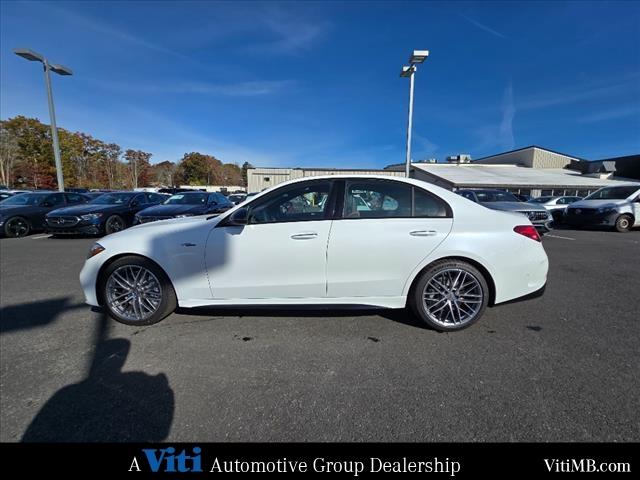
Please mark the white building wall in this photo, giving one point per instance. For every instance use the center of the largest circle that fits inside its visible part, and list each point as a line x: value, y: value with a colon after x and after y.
x: 260, y: 178
x: 532, y: 157
x: 546, y: 159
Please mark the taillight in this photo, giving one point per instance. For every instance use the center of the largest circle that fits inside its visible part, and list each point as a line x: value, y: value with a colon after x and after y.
x: 528, y: 231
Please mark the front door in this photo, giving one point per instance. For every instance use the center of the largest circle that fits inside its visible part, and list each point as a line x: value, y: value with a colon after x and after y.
x: 280, y: 253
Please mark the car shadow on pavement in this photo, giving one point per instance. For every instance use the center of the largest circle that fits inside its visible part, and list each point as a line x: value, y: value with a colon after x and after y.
x: 34, y: 314
x: 399, y: 315
x: 109, y: 405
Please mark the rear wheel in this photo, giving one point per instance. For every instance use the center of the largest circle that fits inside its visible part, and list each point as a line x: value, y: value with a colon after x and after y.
x: 114, y: 224
x: 624, y: 223
x: 136, y: 291
x: 17, y: 227
x: 450, y: 295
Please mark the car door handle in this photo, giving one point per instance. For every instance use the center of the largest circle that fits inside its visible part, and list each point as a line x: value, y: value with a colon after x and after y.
x: 304, y: 236
x: 423, y: 233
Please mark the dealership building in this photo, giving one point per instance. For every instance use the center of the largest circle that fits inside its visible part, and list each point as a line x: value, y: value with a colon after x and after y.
x: 532, y: 170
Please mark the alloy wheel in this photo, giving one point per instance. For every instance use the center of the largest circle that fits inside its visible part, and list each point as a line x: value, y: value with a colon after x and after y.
x: 17, y: 227
x: 114, y: 224
x: 452, y: 297
x: 133, y: 292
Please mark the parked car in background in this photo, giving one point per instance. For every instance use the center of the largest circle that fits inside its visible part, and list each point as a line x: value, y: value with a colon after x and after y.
x: 506, y: 202
x: 172, y: 190
x: 106, y: 214
x: 418, y: 245
x: 77, y: 190
x: 556, y: 205
x: 93, y: 195
x: 617, y: 207
x: 25, y: 213
x: 237, y: 198
x: 186, y: 204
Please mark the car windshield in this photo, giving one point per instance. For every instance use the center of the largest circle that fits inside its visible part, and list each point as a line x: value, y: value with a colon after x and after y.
x: 540, y: 200
x: 495, y: 197
x: 25, y: 199
x: 112, y: 199
x: 187, y: 199
x: 613, y: 193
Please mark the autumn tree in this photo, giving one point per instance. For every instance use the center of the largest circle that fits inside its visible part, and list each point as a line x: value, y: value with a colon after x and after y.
x: 8, y: 155
x: 139, y: 166
x: 163, y: 173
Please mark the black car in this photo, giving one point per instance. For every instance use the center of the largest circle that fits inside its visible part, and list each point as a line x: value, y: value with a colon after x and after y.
x: 108, y: 213
x: 186, y: 204
x: 25, y: 213
x: 174, y: 190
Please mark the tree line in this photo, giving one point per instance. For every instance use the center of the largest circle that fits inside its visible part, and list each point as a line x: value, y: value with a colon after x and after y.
x: 27, y: 161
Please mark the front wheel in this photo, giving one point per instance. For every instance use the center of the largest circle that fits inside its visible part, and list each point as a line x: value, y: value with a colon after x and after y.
x: 136, y: 291
x: 450, y: 295
x: 624, y: 223
x: 114, y: 224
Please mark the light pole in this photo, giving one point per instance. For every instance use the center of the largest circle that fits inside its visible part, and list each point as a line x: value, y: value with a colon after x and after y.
x: 60, y: 70
x: 418, y: 56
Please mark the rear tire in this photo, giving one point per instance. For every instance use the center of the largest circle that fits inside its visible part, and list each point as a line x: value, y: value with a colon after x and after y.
x: 17, y: 227
x: 136, y: 291
x: 450, y: 295
x: 624, y: 223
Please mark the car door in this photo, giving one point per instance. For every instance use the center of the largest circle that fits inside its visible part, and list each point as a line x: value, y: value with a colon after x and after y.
x: 372, y: 252
x: 281, y: 252
x: 636, y: 211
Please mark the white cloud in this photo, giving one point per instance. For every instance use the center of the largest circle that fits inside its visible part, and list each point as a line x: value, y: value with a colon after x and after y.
x: 484, y: 27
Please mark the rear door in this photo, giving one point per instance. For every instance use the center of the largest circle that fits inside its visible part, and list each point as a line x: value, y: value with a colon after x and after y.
x: 386, y: 229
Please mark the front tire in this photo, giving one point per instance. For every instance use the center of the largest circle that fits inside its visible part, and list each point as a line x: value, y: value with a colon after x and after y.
x: 114, y: 223
x: 624, y: 223
x: 450, y: 295
x: 136, y: 291
x: 17, y: 227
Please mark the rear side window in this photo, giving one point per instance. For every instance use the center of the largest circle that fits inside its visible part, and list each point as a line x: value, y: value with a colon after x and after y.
x: 389, y: 199
x: 426, y: 204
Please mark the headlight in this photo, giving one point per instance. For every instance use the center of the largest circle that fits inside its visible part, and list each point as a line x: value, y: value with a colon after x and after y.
x: 95, y: 249
x: 91, y: 216
x: 185, y: 215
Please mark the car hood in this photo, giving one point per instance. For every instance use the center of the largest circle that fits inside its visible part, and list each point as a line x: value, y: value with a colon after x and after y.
x: 6, y: 210
x: 597, y: 203
x: 86, y: 208
x: 171, y: 210
x: 513, y: 206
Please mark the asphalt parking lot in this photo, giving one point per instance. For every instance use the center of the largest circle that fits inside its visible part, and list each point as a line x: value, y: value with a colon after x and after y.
x: 565, y: 367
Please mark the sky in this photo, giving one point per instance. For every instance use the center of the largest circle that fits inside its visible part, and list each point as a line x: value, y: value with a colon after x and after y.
x: 305, y: 84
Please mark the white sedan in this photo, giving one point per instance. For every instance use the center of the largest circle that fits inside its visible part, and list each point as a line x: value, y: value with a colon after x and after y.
x: 312, y: 242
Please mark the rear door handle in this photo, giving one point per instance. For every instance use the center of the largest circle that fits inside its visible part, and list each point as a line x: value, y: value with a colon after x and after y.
x: 423, y: 233
x: 304, y: 236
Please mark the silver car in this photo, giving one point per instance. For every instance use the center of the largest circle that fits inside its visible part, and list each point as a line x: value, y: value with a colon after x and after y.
x: 556, y: 205
x: 617, y: 207
x: 539, y: 216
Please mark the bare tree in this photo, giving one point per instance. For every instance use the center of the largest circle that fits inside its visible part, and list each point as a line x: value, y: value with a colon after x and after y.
x: 8, y: 155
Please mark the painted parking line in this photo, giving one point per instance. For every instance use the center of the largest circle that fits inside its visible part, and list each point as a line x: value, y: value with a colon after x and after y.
x: 558, y: 236
x: 38, y: 237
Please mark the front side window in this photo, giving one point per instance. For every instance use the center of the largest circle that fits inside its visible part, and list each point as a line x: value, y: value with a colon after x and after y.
x: 377, y: 199
x: 296, y: 203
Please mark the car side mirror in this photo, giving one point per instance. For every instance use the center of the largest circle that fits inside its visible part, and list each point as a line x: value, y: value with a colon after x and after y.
x: 238, y: 218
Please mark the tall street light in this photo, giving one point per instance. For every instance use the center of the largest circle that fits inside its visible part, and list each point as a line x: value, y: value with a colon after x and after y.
x: 418, y: 56
x: 60, y: 70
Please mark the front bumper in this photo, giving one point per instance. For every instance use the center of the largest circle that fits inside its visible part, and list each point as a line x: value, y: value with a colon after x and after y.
x: 76, y: 230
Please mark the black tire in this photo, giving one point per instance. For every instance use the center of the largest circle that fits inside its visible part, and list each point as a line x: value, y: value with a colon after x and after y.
x: 624, y: 223
x: 113, y: 224
x: 17, y: 227
x: 480, y: 298
x: 168, y: 301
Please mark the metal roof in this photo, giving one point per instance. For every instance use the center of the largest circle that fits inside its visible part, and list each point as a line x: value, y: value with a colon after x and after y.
x: 506, y: 175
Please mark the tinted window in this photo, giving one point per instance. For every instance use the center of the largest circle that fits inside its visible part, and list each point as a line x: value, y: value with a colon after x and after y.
x: 156, y: 198
x: 377, y: 199
x: 75, y: 198
x: 292, y: 204
x: 25, y: 199
x: 613, y: 193
x: 495, y: 196
x: 426, y: 204
x: 112, y: 199
x: 55, y: 199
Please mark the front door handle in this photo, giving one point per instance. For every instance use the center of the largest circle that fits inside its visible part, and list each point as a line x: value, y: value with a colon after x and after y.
x: 423, y: 233
x: 304, y: 236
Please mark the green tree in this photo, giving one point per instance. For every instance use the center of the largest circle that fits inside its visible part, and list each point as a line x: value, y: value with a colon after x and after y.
x: 245, y: 166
